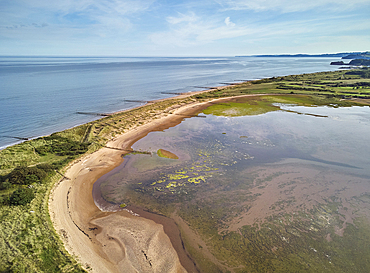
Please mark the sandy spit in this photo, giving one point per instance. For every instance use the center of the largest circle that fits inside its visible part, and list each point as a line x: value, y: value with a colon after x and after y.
x: 119, y: 241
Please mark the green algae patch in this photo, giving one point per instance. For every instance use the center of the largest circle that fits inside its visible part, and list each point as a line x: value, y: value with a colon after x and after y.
x: 195, y: 174
x: 166, y: 154
x: 176, y: 176
x: 197, y: 180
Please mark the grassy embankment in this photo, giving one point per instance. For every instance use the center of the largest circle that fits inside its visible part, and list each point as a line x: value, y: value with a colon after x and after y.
x: 28, y: 242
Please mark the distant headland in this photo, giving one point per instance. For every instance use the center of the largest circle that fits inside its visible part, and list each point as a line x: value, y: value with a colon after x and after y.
x: 343, y: 55
x: 358, y: 59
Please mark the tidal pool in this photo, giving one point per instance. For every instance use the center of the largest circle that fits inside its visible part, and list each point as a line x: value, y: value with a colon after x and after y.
x: 284, y: 190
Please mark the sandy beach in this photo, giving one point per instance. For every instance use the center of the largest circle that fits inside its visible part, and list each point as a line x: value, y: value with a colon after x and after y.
x: 116, y: 241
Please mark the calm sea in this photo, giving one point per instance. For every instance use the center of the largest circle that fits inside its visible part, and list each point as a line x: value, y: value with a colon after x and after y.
x: 41, y: 95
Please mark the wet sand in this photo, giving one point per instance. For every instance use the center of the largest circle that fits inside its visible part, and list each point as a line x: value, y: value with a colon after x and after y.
x: 172, y: 231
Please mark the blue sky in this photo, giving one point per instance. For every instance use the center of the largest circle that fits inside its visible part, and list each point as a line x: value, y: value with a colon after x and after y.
x: 182, y: 28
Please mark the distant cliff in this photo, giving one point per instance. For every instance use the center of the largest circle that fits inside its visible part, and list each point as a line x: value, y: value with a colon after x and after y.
x: 355, y: 62
x: 358, y: 62
x: 361, y: 55
x: 335, y: 55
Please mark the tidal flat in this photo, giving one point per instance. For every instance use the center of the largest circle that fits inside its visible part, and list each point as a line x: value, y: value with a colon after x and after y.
x: 269, y: 184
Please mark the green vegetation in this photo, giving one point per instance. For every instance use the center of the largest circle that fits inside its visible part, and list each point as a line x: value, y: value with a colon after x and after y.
x: 28, y: 243
x: 249, y: 107
x: 28, y: 171
x: 286, y: 242
x: 359, y: 62
x: 257, y: 105
x: 166, y: 154
x: 60, y: 146
x: 27, y: 175
x: 21, y: 196
x: 363, y: 73
x: 324, y: 88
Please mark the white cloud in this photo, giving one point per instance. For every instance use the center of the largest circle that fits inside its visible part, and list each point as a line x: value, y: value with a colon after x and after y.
x: 104, y: 6
x: 289, y: 5
x: 89, y: 18
x: 182, y: 18
x: 228, y: 22
x: 195, y: 31
x: 83, y: 12
x: 189, y: 30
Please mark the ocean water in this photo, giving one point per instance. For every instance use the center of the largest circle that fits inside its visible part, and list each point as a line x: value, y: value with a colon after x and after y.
x: 41, y: 95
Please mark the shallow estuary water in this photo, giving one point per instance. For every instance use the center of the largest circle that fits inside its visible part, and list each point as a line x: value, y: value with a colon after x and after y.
x: 214, y: 147
x: 301, y: 168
